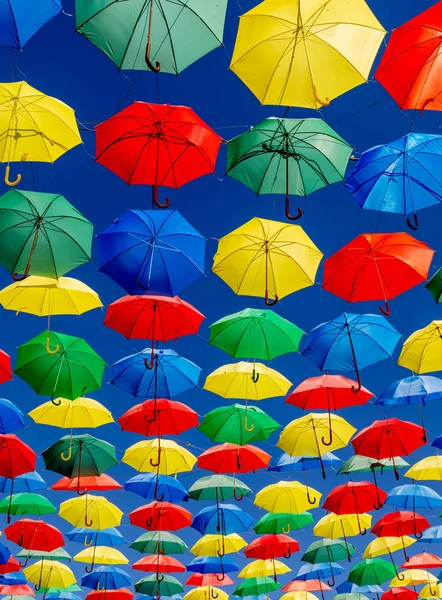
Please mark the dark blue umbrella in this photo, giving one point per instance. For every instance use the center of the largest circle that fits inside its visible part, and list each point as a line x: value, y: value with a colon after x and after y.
x: 350, y: 342
x: 413, y: 497
x: 155, y: 252
x: 11, y: 417
x: 437, y: 442
x: 28, y: 482
x: 303, y: 463
x: 319, y: 571
x: 145, y: 485
x: 171, y: 374
x: 212, y: 565
x: 399, y: 177
x: 223, y: 518
x: 107, y: 537
x: 5, y: 555
x: 20, y: 20
x: 107, y: 578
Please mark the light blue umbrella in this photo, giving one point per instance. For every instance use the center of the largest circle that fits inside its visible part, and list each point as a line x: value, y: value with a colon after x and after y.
x: 20, y: 20
x: 303, y: 463
x: 347, y: 587
x: 28, y: 482
x: 320, y: 571
x: 106, y: 537
x: 414, y: 497
x: 432, y: 535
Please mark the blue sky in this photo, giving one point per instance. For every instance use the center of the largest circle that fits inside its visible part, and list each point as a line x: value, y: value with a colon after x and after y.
x: 63, y: 64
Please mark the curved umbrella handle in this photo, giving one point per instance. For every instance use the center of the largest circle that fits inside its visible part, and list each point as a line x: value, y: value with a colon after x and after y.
x: 401, y: 576
x: 8, y: 181
x: 418, y: 536
x: 385, y: 311
x: 149, y: 364
x: 252, y: 426
x: 377, y: 505
x: 270, y: 302
x: 155, y: 200
x: 69, y: 454
x: 328, y: 442
x: 99, y: 588
x: 89, y: 569
x: 255, y: 376
x: 310, y: 501
x: 357, y: 389
x: 213, y: 594
x: 288, y: 529
x: 37, y: 586
x: 48, y: 347
x: 325, y: 102
x: 414, y: 226
x: 25, y: 563
x: 81, y: 492
x: 431, y: 591
x: 149, y: 522
x: 160, y: 577
x: 17, y: 277
x: 54, y: 402
x: 238, y: 462
x: 87, y: 522
x: 155, y: 414
x: 219, y: 553
x: 333, y: 581
x: 222, y: 576
x: 237, y: 498
x: 155, y: 464
x: 86, y: 542
x: 289, y: 553
x: 287, y: 211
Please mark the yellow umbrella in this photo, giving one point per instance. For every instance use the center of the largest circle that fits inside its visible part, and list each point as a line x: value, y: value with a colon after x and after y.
x: 264, y: 568
x: 387, y: 545
x: 299, y: 596
x: 422, y: 351
x: 91, y: 511
x: 35, y: 127
x: 427, y: 469
x: 49, y: 574
x: 413, y: 577
x: 342, y: 526
x: 305, y: 52
x: 101, y: 555
x: 211, y: 545
x: 247, y: 381
x: 287, y: 497
x: 163, y: 456
x: 72, y: 414
x: 206, y: 592
x: 431, y: 591
x: 305, y: 436
x: 43, y: 296
x: 267, y: 259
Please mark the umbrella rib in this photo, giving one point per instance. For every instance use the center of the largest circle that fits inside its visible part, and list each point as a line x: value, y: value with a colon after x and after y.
x: 137, y: 22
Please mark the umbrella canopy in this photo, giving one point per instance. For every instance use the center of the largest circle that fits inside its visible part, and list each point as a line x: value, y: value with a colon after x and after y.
x: 208, y: 579
x: 400, y: 593
x: 413, y: 577
x: 305, y: 586
x: 34, y: 535
x: 83, y: 483
x: 272, y: 546
x: 420, y: 352
x: 5, y: 367
x: 377, y: 266
x: 231, y: 458
x: 26, y: 504
x: 327, y: 63
x: 397, y: 177
x: 224, y: 518
x: 264, y: 568
x: 152, y: 586
x: 18, y: 24
x: 365, y: 464
x: 53, y: 574
x: 106, y: 577
x: 16, y: 457
x: 120, y: 32
x: 342, y: 526
x: 43, y: 296
x: 267, y: 259
x: 155, y: 252
x: 161, y: 516
x: 162, y: 542
x: 55, y: 363
x: 218, y: 487
x: 108, y: 537
x: 164, y: 457
x: 120, y: 594
x: 328, y: 550
x: 354, y: 498
x: 387, y: 545
x: 28, y: 482
x: 254, y: 586
x: 434, y: 286
x: 11, y: 417
x: 288, y: 156
x: 320, y: 570
x: 159, y: 417
x: 159, y: 564
x: 400, y: 523
x: 429, y: 468
x: 207, y: 592
x: 431, y: 535
x: 287, y: 463
x: 414, y: 496
x: 42, y: 234
x: 91, y: 511
x: 210, y: 565
x: 371, y: 571
x: 280, y: 522
x: 328, y: 392
x: 411, y: 390
x: 149, y: 485
x: 101, y: 555
x: 72, y: 414
x: 288, y: 497
x: 424, y: 560
x: 218, y: 545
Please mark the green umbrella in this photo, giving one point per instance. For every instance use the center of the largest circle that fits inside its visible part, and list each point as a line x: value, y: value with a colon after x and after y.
x: 363, y: 464
x: 57, y: 554
x: 350, y: 596
x: 158, y: 585
x: 327, y: 550
x: 26, y: 504
x: 135, y: 35
x: 372, y: 571
x: 42, y: 234
x: 288, y: 156
x: 238, y: 424
x: 434, y: 286
x: 80, y: 456
x: 282, y: 522
x: 163, y: 542
x: 57, y: 364
x: 256, y: 334
x: 219, y: 488
x: 255, y: 586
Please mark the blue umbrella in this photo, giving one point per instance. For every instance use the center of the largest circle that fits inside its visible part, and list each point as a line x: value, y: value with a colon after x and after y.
x: 20, y: 20
x: 28, y: 482
x: 212, y: 564
x: 223, y: 518
x: 11, y: 417
x: 107, y: 537
x: 145, y: 485
x: 107, y: 578
x: 437, y: 442
x: 413, y: 497
x: 319, y: 571
x: 155, y: 252
x: 62, y: 595
x: 347, y: 587
x: 399, y: 177
x: 303, y: 463
x: 170, y: 375
x: 350, y: 342
x: 432, y: 535
x: 5, y: 555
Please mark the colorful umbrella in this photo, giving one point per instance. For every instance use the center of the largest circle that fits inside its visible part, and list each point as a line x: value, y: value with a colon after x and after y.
x: 287, y: 463
x: 280, y: 522
x: 16, y: 457
x: 159, y: 417
x: 420, y: 352
x: 91, y: 511
x: 212, y: 565
x: 84, y: 483
x: 108, y: 537
x: 34, y: 535
x: 208, y: 579
x: 218, y: 545
x: 414, y: 496
x: 272, y: 546
x: 287, y: 497
x: 424, y: 560
x: 264, y: 568
x: 429, y: 468
x: 18, y: 24
x: 100, y: 555
x: 377, y: 266
x: 106, y: 578
x: 387, y: 545
x: 231, y: 458
x: 149, y: 485
x: 153, y: 586
x: 11, y: 417
x: 218, y: 487
x: 159, y: 564
x: 320, y: 571
x: 26, y: 504
x: 336, y: 526
x: 164, y: 457
x: 223, y: 518
x: 162, y: 542
x: 160, y: 516
x: 120, y: 594
x: 206, y: 593
x: 254, y: 586
x: 53, y: 574
x: 28, y: 482
x: 327, y: 550
x: 155, y: 252
x: 72, y: 414
x: 354, y: 498
x: 371, y: 571
x: 288, y: 156
x: 400, y: 523
x: 270, y: 59
x: 432, y: 535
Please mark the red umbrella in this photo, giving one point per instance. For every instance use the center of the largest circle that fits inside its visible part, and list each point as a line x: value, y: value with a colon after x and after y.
x: 157, y: 144
x: 120, y: 594
x: 12, y: 566
x: 272, y: 546
x: 411, y: 66
x: 89, y: 483
x: 387, y: 439
x: 377, y: 266
x: 161, y: 516
x: 16, y: 590
x: 400, y: 523
x: 310, y: 585
x: 400, y: 593
x: 34, y: 535
x: 5, y: 367
x: 16, y: 457
x: 328, y: 392
x: 231, y: 458
x: 158, y: 563
x: 156, y: 318
x: 159, y: 417
x: 424, y: 560
x: 354, y: 498
x: 205, y: 579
